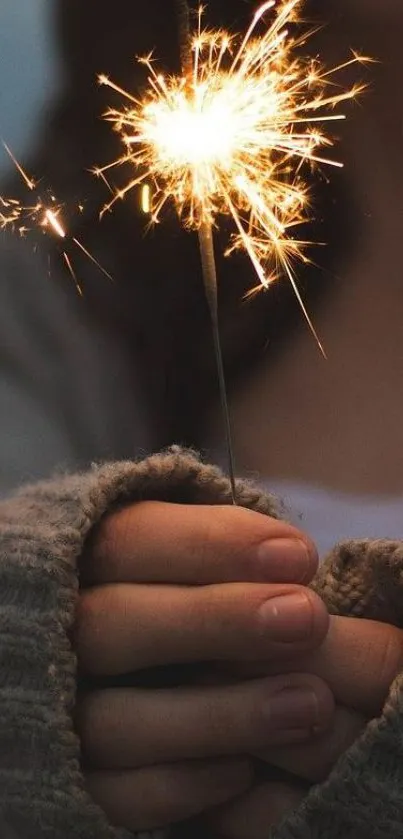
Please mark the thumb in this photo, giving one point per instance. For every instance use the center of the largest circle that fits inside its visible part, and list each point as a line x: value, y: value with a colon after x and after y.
x: 359, y: 659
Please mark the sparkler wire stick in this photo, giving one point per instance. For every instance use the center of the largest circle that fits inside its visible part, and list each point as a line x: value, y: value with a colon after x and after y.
x: 183, y: 15
x: 206, y: 244
x: 231, y: 135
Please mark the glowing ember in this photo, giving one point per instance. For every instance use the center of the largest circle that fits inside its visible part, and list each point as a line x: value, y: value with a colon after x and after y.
x: 44, y: 214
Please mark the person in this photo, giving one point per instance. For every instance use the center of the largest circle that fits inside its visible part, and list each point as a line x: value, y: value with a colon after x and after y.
x: 171, y: 573
x: 106, y: 375
x: 122, y: 385
x: 336, y: 424
x: 70, y: 402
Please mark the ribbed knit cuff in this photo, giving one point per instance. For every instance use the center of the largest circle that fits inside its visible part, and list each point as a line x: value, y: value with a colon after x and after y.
x: 364, y: 578
x: 363, y: 797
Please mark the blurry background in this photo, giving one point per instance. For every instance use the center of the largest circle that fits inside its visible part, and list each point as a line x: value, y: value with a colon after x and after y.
x: 128, y: 367
x: 29, y: 72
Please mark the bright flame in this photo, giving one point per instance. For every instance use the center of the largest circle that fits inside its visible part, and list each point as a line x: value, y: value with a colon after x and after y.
x: 234, y: 137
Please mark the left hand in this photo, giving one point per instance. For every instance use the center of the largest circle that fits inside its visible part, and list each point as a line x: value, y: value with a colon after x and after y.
x: 359, y: 660
x: 164, y: 585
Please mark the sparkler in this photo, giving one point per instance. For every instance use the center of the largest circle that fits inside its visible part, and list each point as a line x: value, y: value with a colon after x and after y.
x: 44, y: 214
x: 233, y: 136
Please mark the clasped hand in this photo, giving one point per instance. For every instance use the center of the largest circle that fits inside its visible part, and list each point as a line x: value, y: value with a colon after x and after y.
x: 222, y: 588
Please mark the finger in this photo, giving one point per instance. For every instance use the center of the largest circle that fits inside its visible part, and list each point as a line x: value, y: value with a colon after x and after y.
x: 125, y: 728
x: 121, y: 628
x: 253, y: 814
x: 157, y: 796
x: 316, y: 762
x: 359, y: 659
x: 157, y: 542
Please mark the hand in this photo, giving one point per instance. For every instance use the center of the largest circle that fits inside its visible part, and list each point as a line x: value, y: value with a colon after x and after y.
x: 163, y: 586
x: 359, y: 660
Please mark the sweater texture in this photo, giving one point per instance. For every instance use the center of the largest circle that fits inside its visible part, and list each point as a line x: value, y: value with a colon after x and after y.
x: 43, y: 530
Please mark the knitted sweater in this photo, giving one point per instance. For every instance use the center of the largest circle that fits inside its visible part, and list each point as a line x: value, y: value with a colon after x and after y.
x: 42, y: 533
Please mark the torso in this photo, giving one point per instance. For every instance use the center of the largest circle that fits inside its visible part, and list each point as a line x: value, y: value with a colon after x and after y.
x: 339, y: 423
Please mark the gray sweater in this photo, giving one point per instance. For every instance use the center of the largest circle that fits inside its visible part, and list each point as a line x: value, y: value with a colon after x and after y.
x: 42, y: 533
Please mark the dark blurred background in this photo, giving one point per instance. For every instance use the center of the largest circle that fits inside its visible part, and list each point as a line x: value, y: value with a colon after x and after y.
x: 129, y: 367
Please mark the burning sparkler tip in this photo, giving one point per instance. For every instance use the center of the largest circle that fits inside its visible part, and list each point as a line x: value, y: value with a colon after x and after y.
x: 233, y: 136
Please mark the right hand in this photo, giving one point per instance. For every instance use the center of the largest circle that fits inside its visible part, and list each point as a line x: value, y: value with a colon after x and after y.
x: 359, y: 660
x: 167, y: 584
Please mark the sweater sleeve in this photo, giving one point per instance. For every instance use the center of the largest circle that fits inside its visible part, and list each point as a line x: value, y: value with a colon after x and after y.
x: 42, y: 533
x: 363, y: 796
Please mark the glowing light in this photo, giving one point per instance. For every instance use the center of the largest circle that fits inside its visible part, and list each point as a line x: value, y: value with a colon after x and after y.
x: 237, y: 136
x: 44, y: 214
x: 146, y: 199
x: 51, y: 218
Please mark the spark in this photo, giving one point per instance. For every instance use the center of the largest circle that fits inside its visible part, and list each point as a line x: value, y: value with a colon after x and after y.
x: 54, y: 222
x: 146, y: 199
x: 237, y: 136
x: 44, y: 214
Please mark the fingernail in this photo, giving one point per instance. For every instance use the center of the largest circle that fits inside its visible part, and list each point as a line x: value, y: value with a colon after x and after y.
x: 284, y: 560
x: 288, y: 618
x: 293, y: 708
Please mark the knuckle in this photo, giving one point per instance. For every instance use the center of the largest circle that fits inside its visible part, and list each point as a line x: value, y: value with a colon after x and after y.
x: 86, y: 617
x: 224, y: 720
x: 103, y: 730
x: 100, y: 543
x: 93, y: 625
x: 115, y: 535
